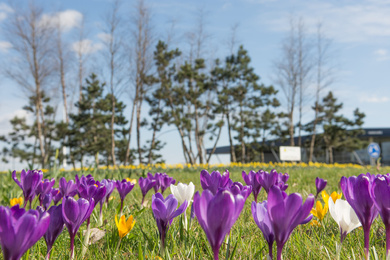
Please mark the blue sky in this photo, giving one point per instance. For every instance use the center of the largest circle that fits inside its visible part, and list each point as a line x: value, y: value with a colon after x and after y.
x: 359, y: 30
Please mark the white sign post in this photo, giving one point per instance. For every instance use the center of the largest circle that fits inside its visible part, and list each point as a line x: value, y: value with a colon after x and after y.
x: 290, y: 153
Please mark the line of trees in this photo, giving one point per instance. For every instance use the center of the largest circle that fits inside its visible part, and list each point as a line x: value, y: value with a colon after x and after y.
x: 197, y: 97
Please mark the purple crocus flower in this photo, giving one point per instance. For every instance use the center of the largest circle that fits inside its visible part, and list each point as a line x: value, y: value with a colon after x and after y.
x: 20, y: 230
x: 110, y: 186
x: 43, y: 188
x: 56, y: 195
x: 165, y: 182
x: 238, y: 188
x: 282, y: 181
x: 47, y: 201
x: 261, y: 217
x: 145, y: 184
x: 252, y: 179
x: 357, y: 191
x: 157, y: 179
x: 90, y: 191
x: 165, y: 211
x: 217, y: 214
x: 215, y: 180
x: 29, y: 182
x: 55, y: 227
x: 75, y: 212
x: 123, y: 187
x: 267, y: 180
x: 286, y: 212
x: 88, y: 180
x: 380, y: 194
x: 67, y: 188
x: 95, y: 191
x: 320, y: 185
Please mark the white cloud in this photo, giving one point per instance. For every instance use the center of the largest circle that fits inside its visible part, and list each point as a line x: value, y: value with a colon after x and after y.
x: 105, y: 37
x: 381, y: 54
x: 86, y: 46
x: 4, y: 46
x: 5, y: 126
x: 67, y: 19
x: 4, y: 10
x: 345, y: 21
x: 374, y: 99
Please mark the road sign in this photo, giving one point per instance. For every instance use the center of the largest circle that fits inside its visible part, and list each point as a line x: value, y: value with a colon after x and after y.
x: 290, y: 153
x: 374, y: 150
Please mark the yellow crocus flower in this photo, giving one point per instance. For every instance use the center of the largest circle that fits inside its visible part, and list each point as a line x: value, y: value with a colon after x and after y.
x: 133, y: 181
x: 124, y: 226
x: 335, y: 196
x: 15, y: 201
x: 319, y: 211
x: 315, y: 223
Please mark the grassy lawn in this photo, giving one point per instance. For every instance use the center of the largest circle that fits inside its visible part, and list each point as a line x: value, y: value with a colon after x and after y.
x: 246, y: 240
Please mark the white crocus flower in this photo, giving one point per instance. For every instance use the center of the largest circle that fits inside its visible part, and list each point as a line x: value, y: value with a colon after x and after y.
x: 345, y: 217
x: 183, y: 192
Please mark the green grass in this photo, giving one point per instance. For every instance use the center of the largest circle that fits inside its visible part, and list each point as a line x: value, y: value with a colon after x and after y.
x: 246, y: 240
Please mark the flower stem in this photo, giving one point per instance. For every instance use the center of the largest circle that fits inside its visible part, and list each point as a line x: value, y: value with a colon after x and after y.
x: 117, y: 246
x: 338, y: 250
x: 216, y: 254
x: 72, y: 246
x: 48, y: 253
x: 270, y: 250
x: 388, y: 242
x: 279, y: 250
x: 121, y: 208
x: 100, y: 220
x: 366, y: 230
x: 86, y: 238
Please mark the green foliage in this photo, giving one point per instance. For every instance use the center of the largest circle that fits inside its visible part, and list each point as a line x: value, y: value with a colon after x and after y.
x: 22, y: 141
x: 246, y: 103
x: 339, y: 132
x: 245, y: 242
x: 89, y: 131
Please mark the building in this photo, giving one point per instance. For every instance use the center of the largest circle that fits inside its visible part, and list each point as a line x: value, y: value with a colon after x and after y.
x: 377, y: 135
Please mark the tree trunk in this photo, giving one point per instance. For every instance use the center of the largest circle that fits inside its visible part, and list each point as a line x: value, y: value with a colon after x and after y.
x: 242, y: 136
x: 313, y: 136
x: 330, y: 148
x: 152, y: 143
x: 113, y: 130
x: 216, y: 142
x: 39, y: 128
x: 232, y: 152
x: 130, y: 129
x: 138, y: 115
x: 80, y: 81
x: 197, y: 137
x: 291, y: 128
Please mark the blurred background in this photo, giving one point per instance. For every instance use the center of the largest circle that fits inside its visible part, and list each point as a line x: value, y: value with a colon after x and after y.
x: 128, y: 82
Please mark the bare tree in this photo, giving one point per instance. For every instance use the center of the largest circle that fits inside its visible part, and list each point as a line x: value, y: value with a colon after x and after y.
x: 199, y: 43
x: 80, y: 48
x: 112, y: 39
x: 62, y: 56
x: 31, y: 39
x: 305, y: 66
x: 324, y: 78
x: 292, y: 72
x: 141, y: 62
